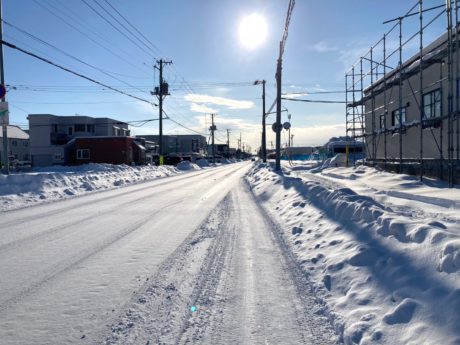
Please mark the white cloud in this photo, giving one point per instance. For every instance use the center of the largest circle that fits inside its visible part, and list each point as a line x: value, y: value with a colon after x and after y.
x: 199, y: 108
x: 222, y: 101
x: 323, y: 47
x: 294, y: 95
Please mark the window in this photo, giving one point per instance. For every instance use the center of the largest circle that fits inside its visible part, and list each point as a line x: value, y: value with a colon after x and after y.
x: 14, y: 142
x: 432, y: 104
x: 90, y: 128
x: 25, y: 157
x: 25, y: 143
x: 382, y: 122
x: 70, y: 130
x: 58, y: 156
x: 395, y: 120
x: 83, y: 154
x: 79, y: 128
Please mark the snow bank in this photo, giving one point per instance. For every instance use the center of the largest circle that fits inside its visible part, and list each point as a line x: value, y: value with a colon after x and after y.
x: 187, y: 165
x: 59, y: 182
x: 387, y: 276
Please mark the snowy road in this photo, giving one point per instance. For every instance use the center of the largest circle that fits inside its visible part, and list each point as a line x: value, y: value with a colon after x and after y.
x: 137, y: 258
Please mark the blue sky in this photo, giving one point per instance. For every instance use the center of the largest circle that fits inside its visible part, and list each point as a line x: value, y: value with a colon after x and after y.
x: 211, y: 70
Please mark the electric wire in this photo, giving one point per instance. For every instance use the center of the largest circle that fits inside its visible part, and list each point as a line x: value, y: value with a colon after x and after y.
x: 117, y: 29
x: 109, y: 74
x: 99, y: 44
x: 12, y: 46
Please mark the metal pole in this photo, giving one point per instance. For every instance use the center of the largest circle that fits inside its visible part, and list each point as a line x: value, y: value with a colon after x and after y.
x: 450, y: 99
x: 278, y: 111
x: 422, y: 110
x: 228, y: 143
x: 264, y: 133
x: 160, y: 105
x: 213, y: 128
x: 6, y: 168
x: 385, y: 105
x: 374, y: 145
x: 457, y: 77
x: 400, y: 98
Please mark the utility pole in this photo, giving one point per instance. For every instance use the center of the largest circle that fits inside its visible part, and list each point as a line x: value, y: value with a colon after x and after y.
x: 264, y: 139
x: 6, y: 167
x: 213, y: 128
x: 228, y: 143
x: 278, y: 125
x: 278, y: 110
x: 161, y: 92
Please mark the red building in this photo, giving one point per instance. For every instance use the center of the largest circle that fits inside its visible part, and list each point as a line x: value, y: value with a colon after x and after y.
x: 112, y: 150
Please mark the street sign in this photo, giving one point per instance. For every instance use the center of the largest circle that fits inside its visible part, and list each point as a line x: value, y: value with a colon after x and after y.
x: 3, y: 108
x: 277, y: 127
x: 2, y: 90
x: 286, y: 125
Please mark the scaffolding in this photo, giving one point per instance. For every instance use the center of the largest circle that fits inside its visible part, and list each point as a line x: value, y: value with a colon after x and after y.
x: 391, y: 75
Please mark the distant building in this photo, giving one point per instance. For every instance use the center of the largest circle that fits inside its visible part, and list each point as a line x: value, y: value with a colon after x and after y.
x: 18, y: 144
x: 50, y: 133
x: 219, y: 150
x: 111, y: 150
x: 181, y: 143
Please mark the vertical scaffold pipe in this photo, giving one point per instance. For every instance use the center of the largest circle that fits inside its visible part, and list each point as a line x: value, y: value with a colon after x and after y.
x: 374, y: 146
x: 422, y: 112
x: 385, y: 105
x: 400, y: 99
x: 457, y: 91
x: 450, y: 95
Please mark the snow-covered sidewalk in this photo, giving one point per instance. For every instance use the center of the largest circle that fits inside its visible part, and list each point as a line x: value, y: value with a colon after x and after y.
x: 382, y: 250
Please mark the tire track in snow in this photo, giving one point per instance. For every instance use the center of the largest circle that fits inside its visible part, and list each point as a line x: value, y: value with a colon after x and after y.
x: 64, y: 227
x: 157, y: 183
x: 158, y: 314
x: 77, y: 259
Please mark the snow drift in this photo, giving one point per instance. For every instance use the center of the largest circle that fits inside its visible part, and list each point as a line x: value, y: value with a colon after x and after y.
x: 387, y: 275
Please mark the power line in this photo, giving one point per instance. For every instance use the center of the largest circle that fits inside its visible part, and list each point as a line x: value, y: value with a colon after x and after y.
x: 68, y: 55
x: 60, y: 17
x: 72, y: 72
x: 310, y: 100
x: 122, y: 25
x: 112, y: 25
x: 131, y: 25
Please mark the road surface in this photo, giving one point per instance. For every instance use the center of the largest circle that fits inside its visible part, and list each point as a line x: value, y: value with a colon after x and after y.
x: 184, y: 259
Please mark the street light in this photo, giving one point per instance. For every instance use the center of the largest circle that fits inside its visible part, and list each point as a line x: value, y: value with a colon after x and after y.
x: 264, y: 144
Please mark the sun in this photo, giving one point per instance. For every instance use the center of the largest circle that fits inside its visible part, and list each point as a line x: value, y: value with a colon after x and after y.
x: 253, y: 31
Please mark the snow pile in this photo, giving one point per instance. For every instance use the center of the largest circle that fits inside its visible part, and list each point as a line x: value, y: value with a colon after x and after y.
x: 202, y: 163
x: 187, y: 165
x: 389, y: 273
x: 59, y: 182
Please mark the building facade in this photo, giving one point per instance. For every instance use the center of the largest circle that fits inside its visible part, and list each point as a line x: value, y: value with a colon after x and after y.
x: 50, y: 133
x: 408, y: 116
x: 18, y: 144
x: 100, y: 149
x: 180, y: 144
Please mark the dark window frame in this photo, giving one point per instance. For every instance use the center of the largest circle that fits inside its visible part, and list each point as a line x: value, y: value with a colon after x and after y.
x: 432, y: 104
x: 395, y: 117
x: 83, y: 154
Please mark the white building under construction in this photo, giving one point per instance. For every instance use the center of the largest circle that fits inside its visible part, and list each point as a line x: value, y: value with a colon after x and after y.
x: 408, y: 116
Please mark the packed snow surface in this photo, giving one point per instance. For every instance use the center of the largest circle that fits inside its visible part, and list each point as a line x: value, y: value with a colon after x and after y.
x: 187, y: 259
x: 382, y: 250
